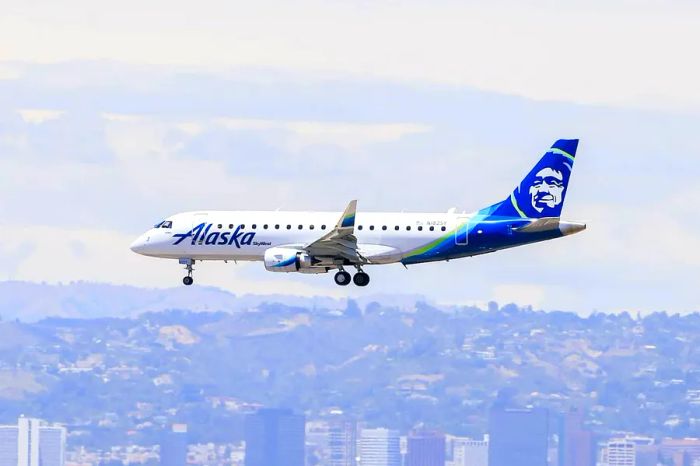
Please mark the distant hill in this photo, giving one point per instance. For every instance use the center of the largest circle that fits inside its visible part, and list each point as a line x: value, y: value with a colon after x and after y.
x: 391, y: 361
x: 30, y: 302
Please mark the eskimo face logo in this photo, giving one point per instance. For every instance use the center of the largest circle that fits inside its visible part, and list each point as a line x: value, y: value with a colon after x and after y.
x: 547, y: 189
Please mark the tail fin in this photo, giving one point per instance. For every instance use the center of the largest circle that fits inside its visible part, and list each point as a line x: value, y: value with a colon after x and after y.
x: 541, y: 193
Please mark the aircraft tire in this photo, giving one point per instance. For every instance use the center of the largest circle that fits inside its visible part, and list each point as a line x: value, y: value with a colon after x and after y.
x: 361, y: 279
x: 188, y: 281
x: 342, y: 278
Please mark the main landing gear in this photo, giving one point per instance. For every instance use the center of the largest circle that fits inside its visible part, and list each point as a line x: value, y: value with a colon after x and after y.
x: 342, y: 278
x: 188, y: 263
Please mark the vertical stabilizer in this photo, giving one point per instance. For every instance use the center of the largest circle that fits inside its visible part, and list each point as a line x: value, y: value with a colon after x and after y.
x: 541, y: 193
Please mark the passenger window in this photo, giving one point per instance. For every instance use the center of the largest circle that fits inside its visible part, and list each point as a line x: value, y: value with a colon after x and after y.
x: 301, y: 226
x: 219, y: 226
x: 432, y: 228
x: 359, y: 227
x: 289, y: 227
x: 277, y: 227
x: 230, y: 226
x: 443, y: 228
x: 242, y: 227
x: 396, y: 228
x: 254, y: 226
x: 420, y: 228
x: 311, y: 227
x: 265, y: 226
x: 384, y: 227
x: 371, y: 227
x: 323, y: 227
x: 408, y: 228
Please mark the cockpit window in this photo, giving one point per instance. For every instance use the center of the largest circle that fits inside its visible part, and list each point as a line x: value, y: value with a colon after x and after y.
x: 157, y: 225
x: 164, y: 224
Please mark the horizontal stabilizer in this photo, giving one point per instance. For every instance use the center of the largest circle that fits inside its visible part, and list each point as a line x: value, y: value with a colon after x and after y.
x: 540, y: 225
x: 551, y: 223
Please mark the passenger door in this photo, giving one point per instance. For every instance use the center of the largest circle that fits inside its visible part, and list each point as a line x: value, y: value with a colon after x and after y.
x: 462, y: 231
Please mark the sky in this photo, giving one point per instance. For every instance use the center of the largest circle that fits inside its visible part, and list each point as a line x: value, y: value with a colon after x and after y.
x: 114, y: 118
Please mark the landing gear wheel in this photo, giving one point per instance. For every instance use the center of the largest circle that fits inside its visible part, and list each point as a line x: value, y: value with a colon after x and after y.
x: 342, y: 278
x: 361, y: 279
x: 189, y: 266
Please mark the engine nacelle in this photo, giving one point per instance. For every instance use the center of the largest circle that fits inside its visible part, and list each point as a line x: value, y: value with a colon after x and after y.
x: 290, y: 260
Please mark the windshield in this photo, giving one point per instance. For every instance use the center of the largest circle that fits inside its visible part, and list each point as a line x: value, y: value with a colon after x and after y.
x: 164, y: 224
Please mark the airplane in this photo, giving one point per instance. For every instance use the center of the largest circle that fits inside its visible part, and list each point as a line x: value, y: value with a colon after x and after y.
x: 319, y: 242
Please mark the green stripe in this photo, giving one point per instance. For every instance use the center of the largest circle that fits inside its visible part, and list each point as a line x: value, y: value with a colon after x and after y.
x: 431, y: 245
x: 562, y: 152
x: 515, y: 204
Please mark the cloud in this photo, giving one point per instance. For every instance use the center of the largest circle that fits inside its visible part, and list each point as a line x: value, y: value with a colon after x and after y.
x: 155, y: 141
x: 32, y: 115
x: 622, y: 53
x: 348, y: 136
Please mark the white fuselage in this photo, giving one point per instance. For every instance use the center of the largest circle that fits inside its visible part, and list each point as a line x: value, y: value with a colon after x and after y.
x: 245, y: 235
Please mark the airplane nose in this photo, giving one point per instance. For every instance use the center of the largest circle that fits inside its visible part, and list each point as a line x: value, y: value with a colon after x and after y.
x: 139, y: 245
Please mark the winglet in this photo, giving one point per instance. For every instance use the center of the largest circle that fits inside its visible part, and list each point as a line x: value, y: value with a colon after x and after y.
x: 348, y: 218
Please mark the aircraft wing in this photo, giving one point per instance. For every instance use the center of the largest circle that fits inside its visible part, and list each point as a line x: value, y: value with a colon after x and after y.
x: 339, y: 242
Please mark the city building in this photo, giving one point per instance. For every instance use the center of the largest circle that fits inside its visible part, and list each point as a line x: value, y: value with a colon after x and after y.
x: 32, y: 442
x: 342, y: 442
x: 8, y: 445
x: 173, y: 446
x: 577, y: 445
x: 425, y: 448
x: 379, y: 447
x: 648, y: 455
x: 52, y: 445
x: 470, y: 452
x: 518, y: 436
x: 620, y: 452
x: 274, y: 437
x: 680, y: 452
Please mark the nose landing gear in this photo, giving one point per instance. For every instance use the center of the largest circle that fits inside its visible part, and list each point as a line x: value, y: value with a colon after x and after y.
x: 189, y: 263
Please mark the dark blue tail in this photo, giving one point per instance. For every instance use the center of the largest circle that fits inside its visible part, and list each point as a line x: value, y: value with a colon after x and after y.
x: 541, y: 193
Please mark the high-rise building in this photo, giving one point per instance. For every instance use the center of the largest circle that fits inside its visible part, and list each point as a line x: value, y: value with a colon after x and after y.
x: 576, y: 443
x: 8, y: 445
x: 274, y: 437
x: 425, y: 448
x: 342, y: 442
x: 470, y: 452
x: 173, y: 446
x: 379, y: 447
x: 518, y: 437
x: 680, y: 451
x: 32, y: 442
x: 52, y: 445
x: 28, y: 442
x: 647, y: 455
x: 620, y: 452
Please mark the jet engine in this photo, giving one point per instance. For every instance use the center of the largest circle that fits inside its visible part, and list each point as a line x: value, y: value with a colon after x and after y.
x: 291, y: 260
